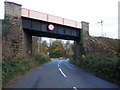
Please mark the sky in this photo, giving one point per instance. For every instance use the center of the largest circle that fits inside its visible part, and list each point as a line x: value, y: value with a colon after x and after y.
x: 92, y: 11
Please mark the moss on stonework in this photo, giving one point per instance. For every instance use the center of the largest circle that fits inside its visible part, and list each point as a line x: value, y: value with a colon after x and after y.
x: 81, y: 42
x: 6, y: 25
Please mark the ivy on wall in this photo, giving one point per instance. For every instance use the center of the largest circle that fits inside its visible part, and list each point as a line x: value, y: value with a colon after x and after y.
x: 81, y: 42
x: 6, y: 26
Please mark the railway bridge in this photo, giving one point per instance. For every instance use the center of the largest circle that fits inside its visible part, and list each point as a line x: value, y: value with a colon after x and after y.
x: 27, y: 23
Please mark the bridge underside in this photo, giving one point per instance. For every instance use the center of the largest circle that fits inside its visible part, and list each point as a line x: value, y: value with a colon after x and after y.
x: 40, y: 28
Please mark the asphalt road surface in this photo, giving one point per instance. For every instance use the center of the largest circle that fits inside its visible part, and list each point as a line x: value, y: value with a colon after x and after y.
x: 60, y: 74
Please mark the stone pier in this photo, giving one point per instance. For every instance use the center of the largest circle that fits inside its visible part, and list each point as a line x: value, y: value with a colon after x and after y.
x: 80, y: 44
x: 16, y: 42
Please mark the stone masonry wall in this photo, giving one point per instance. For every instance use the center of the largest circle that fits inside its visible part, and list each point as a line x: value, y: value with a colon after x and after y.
x: 79, y: 45
x: 90, y: 44
x: 15, y: 41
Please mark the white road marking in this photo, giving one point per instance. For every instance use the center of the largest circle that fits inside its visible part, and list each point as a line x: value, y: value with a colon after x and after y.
x: 62, y: 72
x: 74, y: 88
x: 59, y: 64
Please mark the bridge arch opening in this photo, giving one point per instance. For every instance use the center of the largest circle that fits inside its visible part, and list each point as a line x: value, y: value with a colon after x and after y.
x: 55, y: 48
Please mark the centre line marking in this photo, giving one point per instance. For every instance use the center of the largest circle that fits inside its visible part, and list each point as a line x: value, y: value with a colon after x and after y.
x: 75, y: 88
x: 62, y: 72
x: 59, y: 64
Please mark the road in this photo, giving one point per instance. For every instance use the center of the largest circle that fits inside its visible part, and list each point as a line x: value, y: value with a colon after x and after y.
x: 60, y: 74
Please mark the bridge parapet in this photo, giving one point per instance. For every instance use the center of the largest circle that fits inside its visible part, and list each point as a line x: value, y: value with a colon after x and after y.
x: 49, y: 18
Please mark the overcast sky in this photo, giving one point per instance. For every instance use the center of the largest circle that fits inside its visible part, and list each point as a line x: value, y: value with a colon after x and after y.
x: 91, y: 11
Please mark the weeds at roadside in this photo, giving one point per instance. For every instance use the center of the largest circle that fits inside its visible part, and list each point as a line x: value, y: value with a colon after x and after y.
x: 106, y: 66
x: 13, y: 67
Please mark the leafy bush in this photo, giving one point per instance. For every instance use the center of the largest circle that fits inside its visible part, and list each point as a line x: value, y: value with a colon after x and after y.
x: 104, y: 65
x: 13, y: 67
x: 42, y: 58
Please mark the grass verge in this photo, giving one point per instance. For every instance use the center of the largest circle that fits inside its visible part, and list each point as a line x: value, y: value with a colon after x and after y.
x: 103, y: 65
x: 14, y: 67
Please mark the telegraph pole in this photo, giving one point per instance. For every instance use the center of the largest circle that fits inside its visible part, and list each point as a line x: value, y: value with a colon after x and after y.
x: 101, y: 22
x: 102, y: 28
x: 39, y: 44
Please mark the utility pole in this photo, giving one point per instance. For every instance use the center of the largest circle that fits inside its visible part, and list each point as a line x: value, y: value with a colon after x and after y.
x: 39, y: 44
x: 101, y: 22
x: 102, y: 28
x: 50, y: 41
